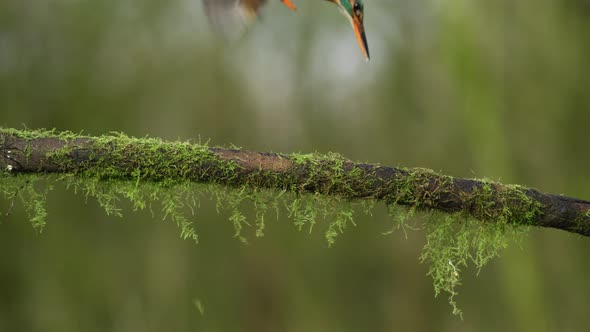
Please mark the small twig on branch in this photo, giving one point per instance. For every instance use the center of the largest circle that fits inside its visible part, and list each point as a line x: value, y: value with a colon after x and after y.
x: 121, y: 157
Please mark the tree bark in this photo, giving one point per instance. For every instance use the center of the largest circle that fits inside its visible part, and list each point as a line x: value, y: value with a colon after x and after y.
x: 121, y: 157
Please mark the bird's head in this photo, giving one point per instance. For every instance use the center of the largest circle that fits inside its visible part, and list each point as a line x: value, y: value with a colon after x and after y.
x: 354, y: 11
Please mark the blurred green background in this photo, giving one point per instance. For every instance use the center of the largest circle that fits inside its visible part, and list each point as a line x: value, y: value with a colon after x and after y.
x: 472, y: 88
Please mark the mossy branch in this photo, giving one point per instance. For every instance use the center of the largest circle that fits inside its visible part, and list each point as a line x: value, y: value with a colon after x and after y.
x: 151, y: 160
x: 470, y: 220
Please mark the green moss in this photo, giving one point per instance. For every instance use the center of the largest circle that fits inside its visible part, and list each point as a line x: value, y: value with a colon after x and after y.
x: 582, y: 222
x: 503, y: 204
x: 453, y: 242
x: 163, y: 183
x: 456, y: 240
x: 401, y: 216
x: 30, y: 192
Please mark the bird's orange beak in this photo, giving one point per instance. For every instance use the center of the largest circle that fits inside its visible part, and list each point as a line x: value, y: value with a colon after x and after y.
x: 289, y: 4
x: 359, y: 31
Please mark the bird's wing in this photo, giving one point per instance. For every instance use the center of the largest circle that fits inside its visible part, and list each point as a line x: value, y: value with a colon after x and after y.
x: 230, y: 17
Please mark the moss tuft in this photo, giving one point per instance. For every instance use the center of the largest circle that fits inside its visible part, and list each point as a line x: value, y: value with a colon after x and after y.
x: 30, y: 192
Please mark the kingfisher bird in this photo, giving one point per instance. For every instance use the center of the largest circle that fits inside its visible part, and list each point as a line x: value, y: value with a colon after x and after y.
x: 230, y: 16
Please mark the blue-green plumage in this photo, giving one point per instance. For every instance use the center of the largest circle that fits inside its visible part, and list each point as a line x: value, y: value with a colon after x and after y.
x: 229, y: 16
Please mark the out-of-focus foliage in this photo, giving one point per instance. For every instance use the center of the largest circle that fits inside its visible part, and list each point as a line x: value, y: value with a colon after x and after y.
x: 472, y: 88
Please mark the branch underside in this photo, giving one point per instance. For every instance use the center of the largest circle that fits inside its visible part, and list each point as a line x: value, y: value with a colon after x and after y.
x: 124, y: 158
